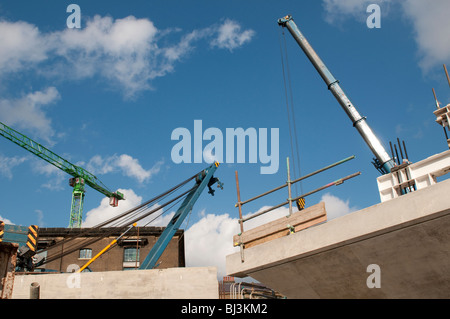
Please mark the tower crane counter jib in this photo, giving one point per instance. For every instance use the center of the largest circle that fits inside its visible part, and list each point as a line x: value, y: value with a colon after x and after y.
x: 81, y: 177
x: 383, y: 162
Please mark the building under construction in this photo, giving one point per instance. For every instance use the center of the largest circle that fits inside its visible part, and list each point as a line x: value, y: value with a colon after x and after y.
x: 398, y: 248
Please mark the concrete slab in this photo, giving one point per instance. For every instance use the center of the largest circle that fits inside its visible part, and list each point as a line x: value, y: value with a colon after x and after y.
x: 407, y: 237
x: 171, y: 283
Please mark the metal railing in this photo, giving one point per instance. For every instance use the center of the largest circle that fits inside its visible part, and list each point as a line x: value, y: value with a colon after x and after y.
x: 288, y: 184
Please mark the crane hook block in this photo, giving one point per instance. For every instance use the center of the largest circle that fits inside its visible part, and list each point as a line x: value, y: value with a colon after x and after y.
x: 114, y: 200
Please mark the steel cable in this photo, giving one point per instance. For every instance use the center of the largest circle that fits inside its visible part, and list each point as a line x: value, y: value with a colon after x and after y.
x: 108, y: 232
x: 290, y: 109
x: 120, y: 224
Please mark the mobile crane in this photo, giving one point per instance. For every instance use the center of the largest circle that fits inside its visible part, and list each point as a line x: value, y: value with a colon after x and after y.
x: 203, y: 179
x: 81, y: 177
x: 382, y: 161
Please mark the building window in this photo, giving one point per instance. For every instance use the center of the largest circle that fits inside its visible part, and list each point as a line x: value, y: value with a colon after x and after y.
x: 85, y: 253
x: 130, y: 258
x: 130, y: 254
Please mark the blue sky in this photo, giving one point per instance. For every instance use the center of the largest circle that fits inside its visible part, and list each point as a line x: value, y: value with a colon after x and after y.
x: 109, y: 95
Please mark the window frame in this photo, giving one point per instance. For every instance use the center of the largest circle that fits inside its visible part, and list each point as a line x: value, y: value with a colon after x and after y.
x: 85, y: 250
x: 129, y: 248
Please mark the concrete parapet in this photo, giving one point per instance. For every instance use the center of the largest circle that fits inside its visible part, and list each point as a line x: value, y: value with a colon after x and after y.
x: 407, y: 237
x: 171, y: 283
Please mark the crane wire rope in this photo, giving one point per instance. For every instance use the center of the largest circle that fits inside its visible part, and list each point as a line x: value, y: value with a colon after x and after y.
x: 162, y: 213
x: 96, y: 228
x: 143, y: 205
x: 149, y: 222
x: 290, y: 109
x: 132, y: 213
x: 107, y: 232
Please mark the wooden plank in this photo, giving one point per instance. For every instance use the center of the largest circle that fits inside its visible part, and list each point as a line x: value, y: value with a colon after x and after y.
x: 284, y: 232
x: 280, y: 224
x: 278, y: 228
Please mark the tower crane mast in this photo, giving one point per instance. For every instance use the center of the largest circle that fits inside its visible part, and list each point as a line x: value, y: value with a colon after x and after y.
x: 81, y: 177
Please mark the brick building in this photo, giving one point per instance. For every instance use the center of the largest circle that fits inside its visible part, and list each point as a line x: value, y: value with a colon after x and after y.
x: 126, y: 254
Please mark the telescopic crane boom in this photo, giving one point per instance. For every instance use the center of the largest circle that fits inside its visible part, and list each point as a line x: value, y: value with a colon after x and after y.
x: 383, y: 162
x: 80, y: 175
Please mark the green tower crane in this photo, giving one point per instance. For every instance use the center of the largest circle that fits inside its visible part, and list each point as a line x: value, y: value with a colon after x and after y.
x: 81, y: 177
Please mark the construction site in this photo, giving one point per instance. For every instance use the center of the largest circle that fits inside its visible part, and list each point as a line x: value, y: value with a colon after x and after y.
x: 397, y: 248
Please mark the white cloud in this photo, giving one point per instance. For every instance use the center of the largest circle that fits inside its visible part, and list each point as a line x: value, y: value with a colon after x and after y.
x: 105, y: 212
x: 229, y: 35
x: 28, y: 113
x: 335, y: 206
x: 431, y: 27
x: 131, y: 167
x: 40, y: 217
x: 6, y: 220
x: 124, y: 52
x: 429, y: 19
x: 127, y: 164
x: 99, y: 165
x: 56, y: 177
x: 184, y: 47
x: 22, y: 45
x: 8, y: 163
x: 336, y: 11
x: 210, y: 240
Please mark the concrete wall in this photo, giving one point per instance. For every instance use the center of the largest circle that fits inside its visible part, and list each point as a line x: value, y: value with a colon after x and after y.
x: 407, y: 237
x: 172, y: 283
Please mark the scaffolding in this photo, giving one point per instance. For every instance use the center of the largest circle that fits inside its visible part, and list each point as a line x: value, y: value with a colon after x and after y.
x: 293, y: 222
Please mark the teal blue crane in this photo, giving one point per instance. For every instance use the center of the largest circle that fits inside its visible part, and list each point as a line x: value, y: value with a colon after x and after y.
x: 81, y: 177
x: 204, y: 179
